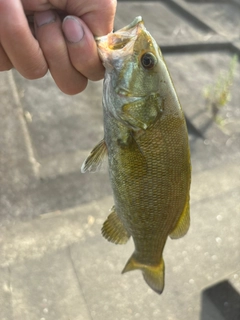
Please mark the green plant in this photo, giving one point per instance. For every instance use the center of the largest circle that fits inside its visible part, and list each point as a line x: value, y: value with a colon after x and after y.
x: 218, y: 94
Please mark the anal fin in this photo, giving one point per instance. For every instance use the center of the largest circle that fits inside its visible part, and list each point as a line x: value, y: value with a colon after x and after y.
x: 183, y: 223
x: 96, y: 158
x: 113, y: 229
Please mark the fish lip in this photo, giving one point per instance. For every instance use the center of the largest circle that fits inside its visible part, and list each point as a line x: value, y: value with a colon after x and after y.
x: 119, y: 40
x: 131, y: 25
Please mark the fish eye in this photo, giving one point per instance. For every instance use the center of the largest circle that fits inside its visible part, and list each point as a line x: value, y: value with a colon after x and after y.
x: 148, y: 60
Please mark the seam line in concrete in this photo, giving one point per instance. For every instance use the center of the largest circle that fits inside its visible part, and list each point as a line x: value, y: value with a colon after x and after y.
x: 78, y: 281
x: 35, y: 165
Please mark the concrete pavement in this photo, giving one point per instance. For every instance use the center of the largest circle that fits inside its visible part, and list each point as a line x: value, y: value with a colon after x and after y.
x: 54, y: 263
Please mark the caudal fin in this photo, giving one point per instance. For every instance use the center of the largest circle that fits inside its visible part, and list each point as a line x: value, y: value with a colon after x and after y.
x: 153, y: 275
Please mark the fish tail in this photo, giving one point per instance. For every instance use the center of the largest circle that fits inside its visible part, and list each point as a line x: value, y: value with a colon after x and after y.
x: 152, y: 274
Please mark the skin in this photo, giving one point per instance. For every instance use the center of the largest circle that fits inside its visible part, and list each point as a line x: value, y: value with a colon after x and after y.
x: 41, y: 35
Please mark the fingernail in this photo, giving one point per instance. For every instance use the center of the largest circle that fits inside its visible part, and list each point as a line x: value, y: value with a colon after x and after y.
x: 72, y: 29
x: 44, y: 17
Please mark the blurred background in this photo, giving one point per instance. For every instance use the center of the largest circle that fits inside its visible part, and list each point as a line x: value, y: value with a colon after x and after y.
x: 54, y: 263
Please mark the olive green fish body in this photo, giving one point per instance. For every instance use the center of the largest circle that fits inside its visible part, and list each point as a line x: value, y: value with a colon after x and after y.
x: 150, y: 180
x: 146, y: 142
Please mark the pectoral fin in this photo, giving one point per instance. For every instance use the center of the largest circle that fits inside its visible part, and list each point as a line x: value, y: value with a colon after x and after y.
x: 95, y: 159
x: 113, y: 229
x: 182, y: 225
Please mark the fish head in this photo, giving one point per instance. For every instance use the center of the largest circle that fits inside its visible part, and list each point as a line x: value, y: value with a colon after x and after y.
x: 133, y: 59
x: 135, y: 74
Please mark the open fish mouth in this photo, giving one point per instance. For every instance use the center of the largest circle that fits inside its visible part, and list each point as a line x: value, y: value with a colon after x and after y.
x: 122, y: 39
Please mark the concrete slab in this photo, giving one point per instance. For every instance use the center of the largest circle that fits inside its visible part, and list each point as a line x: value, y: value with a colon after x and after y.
x: 32, y: 239
x: 51, y: 292
x: 48, y: 251
x: 6, y: 310
x: 167, y: 26
x: 223, y: 17
x: 59, y: 266
x: 46, y: 111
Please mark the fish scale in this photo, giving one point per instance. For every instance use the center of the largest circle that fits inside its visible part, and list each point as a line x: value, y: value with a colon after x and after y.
x: 146, y: 142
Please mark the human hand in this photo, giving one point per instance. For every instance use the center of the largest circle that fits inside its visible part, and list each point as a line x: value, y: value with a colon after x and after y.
x: 67, y: 48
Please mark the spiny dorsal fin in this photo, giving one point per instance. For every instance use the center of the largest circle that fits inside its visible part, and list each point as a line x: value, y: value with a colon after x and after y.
x: 95, y: 159
x: 183, y: 224
x: 113, y: 229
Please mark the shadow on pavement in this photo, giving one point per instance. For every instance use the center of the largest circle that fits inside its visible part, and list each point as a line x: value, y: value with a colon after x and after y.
x: 220, y: 302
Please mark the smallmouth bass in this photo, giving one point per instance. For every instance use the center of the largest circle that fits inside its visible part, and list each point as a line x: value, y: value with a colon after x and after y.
x: 146, y: 142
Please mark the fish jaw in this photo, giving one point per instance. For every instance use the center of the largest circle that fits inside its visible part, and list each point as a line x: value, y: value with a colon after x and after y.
x: 117, y: 44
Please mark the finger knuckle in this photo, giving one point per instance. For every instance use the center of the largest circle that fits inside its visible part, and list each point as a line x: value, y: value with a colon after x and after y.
x: 35, y: 72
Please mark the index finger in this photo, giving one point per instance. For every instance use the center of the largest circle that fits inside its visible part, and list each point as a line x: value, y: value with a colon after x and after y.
x: 97, y: 14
